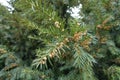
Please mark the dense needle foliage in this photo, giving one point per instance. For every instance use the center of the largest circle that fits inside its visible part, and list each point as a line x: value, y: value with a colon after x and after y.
x: 39, y: 40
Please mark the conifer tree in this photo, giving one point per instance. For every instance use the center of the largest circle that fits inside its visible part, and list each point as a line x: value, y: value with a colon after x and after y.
x: 41, y: 41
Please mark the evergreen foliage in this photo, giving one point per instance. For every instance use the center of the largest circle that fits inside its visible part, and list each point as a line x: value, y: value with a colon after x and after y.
x: 39, y: 40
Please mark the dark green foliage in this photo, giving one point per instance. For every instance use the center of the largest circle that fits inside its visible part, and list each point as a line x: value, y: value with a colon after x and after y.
x: 102, y: 16
x: 39, y: 40
x: 113, y: 73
